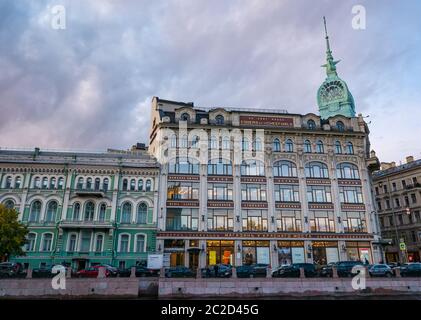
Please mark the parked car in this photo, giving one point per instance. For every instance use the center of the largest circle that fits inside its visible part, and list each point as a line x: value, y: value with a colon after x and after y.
x: 45, y: 271
x: 92, y: 272
x: 255, y: 270
x: 293, y: 270
x: 344, y: 268
x: 11, y: 269
x: 141, y: 271
x: 411, y: 270
x: 327, y: 270
x: 380, y: 270
x: 113, y: 270
x: 244, y: 271
x: 217, y: 271
x: 179, y: 272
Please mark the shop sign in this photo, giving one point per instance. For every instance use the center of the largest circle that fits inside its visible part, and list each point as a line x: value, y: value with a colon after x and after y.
x: 262, y: 255
x: 212, y: 257
x: 273, y: 121
x: 155, y: 261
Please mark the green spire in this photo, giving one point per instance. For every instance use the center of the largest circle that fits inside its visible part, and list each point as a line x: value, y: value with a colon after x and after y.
x: 330, y: 62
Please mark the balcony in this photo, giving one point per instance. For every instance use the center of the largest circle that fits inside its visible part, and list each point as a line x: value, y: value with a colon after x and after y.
x: 87, y: 192
x: 85, y: 224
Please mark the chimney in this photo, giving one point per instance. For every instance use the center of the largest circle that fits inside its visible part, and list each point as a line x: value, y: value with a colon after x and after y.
x: 393, y: 164
x: 139, y: 146
x: 409, y: 159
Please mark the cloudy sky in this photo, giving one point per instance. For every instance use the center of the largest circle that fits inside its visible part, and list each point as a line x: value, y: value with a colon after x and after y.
x: 90, y: 85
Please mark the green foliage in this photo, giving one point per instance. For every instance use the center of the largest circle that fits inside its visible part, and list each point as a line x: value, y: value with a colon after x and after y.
x: 12, y: 233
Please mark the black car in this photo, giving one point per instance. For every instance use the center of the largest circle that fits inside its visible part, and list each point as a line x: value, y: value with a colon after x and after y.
x: 179, y: 272
x: 255, y: 270
x: 327, y: 270
x: 46, y: 271
x: 11, y: 269
x: 344, y: 268
x: 293, y: 270
x: 141, y: 271
x: 411, y: 270
x: 217, y: 271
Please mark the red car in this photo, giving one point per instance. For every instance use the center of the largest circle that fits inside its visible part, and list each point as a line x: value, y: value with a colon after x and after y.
x: 92, y: 272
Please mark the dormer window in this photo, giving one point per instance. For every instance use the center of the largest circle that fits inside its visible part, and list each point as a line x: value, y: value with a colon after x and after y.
x: 185, y: 117
x: 219, y: 119
x: 340, y: 126
x: 311, y: 124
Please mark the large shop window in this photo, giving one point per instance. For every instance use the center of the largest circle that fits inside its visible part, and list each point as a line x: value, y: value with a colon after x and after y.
x: 325, y: 252
x: 183, y: 190
x: 284, y: 168
x: 220, y: 220
x: 354, y: 221
x: 319, y: 194
x: 220, y: 167
x: 290, y: 252
x: 316, y: 170
x: 286, y: 193
x: 351, y: 194
x: 347, y: 171
x: 359, y: 251
x: 256, y: 252
x: 288, y: 220
x: 219, y: 251
x: 173, y: 253
x: 219, y: 191
x: 255, y: 220
x: 182, y: 219
x: 253, y: 192
x: 252, y: 168
x: 322, y: 221
x: 183, y: 166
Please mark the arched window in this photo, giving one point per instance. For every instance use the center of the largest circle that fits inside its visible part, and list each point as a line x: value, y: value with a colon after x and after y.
x: 89, y: 211
x: 47, y: 242
x: 219, y: 119
x: 185, y: 117
x: 173, y: 141
x: 53, y: 183
x: 213, y: 143
x: 307, y: 146
x: 349, y: 148
x: 105, y: 184
x: 340, y: 126
x: 316, y: 170
x: 347, y: 171
x: 60, y: 183
x: 80, y: 183
x: 132, y: 184
x: 195, y: 142
x: 311, y: 124
x: 140, y: 243
x: 45, y: 183
x: 18, y: 182
x: 140, y: 185
x: 97, y: 183
x: 125, y: 184
x: 124, y: 243
x: 102, y: 209
x: 219, y: 167
x: 8, y: 184
x: 226, y: 143
x: 126, y: 216
x: 9, y: 204
x: 276, y: 146
x: 37, y: 183
x: 319, y: 147
x: 257, y: 144
x: 35, y: 211
x: 338, y: 147
x: 89, y: 183
x: 184, y: 166
x: 71, y: 245
x: 76, y: 211
x: 51, y: 211
x: 142, y: 212
x: 30, y: 242
x: 245, y: 143
x: 289, y: 146
x: 148, y: 185
x: 284, y: 168
x: 99, y: 242
x: 252, y: 168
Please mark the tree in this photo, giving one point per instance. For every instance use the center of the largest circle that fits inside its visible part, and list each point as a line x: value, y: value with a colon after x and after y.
x: 12, y: 233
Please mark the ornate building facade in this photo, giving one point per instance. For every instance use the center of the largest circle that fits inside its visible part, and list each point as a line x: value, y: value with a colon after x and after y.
x: 83, y: 209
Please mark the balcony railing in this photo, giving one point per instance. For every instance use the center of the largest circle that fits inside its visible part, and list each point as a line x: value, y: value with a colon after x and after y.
x: 85, y: 224
x: 91, y: 192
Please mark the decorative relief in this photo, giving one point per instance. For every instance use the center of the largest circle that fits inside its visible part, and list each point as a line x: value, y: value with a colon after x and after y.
x: 317, y: 206
x: 349, y: 182
x: 220, y: 178
x: 286, y: 180
x: 352, y: 206
x: 254, y: 205
x: 177, y: 177
x: 314, y: 157
x: 253, y: 179
x: 280, y: 205
x: 220, y: 204
x: 171, y: 203
x: 316, y: 181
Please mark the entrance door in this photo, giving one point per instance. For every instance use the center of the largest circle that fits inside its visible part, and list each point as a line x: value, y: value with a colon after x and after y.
x: 177, y: 259
x: 80, y: 265
x: 193, y: 260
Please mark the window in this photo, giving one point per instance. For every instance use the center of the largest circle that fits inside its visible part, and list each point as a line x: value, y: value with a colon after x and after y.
x: 413, y: 198
x: 30, y: 242
x: 89, y: 211
x: 80, y: 183
x: 184, y: 143
x: 319, y: 194
x: 47, y: 241
x: 316, y: 170
x: 289, y: 146
x: 71, y: 246
x: 173, y: 141
x: 35, y: 211
x: 124, y: 243
x: 388, y: 204
x: 182, y: 219
x: 255, y: 220
x: 253, y: 192
x: 105, y: 184
x: 319, y: 147
x: 37, y: 183
x: 102, y: 210
x: 307, y: 146
x: 142, y: 211
x: 98, y: 243
x: 321, y: 221
x: 9, y: 204
x: 252, y: 168
x: 140, y: 243
x: 219, y: 119
x: 349, y: 148
x: 183, y: 166
x: 183, y: 190
x: 195, y: 142
x: 338, y: 147
x: 311, y: 124
x: 288, y: 220
x: 60, y: 183
x: 276, y: 146
x: 340, y: 126
x: 76, y: 211
x: 385, y: 188
x: 350, y: 194
x: 403, y: 184
x: 185, y: 117
x: 125, y: 184
x: 132, y: 185
x: 257, y: 144
x: 220, y: 191
x: 45, y: 183
x: 379, y: 205
x: 140, y: 185
x: 52, y: 183
x: 51, y: 211
x: 245, y: 144
x: 148, y: 185
x: 126, y: 216
x: 220, y: 220
x: 89, y: 183
x: 97, y: 183
x: 286, y: 193
x: 226, y: 143
x: 397, y: 203
x: 18, y: 181
x: 8, y: 184
x: 220, y: 167
x: 284, y: 168
x: 393, y: 186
